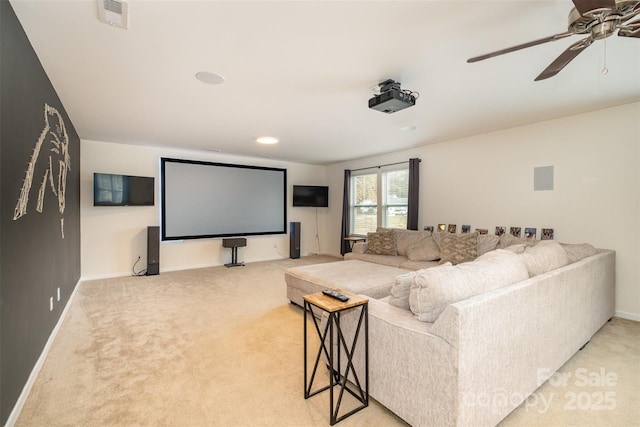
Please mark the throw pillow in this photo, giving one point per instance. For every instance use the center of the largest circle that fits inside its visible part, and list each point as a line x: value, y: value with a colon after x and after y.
x: 381, y: 243
x: 400, y: 290
x: 507, y: 240
x: 424, y: 250
x: 545, y: 256
x: 577, y: 251
x: 433, y: 289
x: 458, y: 248
x: 517, y: 249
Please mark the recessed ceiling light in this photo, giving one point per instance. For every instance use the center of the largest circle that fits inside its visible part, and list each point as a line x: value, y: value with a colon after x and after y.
x: 209, y: 78
x: 267, y: 140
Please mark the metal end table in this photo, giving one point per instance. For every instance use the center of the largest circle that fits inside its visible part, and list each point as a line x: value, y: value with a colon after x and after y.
x: 332, y: 330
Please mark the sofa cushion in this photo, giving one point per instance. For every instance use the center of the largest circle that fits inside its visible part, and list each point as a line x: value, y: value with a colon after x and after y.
x: 458, y: 248
x: 418, y: 265
x: 381, y: 243
x: 355, y: 276
x: 408, y: 238
x: 507, y: 240
x: 545, y: 256
x: 390, y: 260
x: 435, y: 288
x: 423, y: 250
x: 487, y: 243
x: 578, y: 251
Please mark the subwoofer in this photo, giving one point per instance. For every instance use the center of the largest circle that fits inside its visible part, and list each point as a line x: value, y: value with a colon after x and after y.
x: 153, y: 250
x: 294, y: 240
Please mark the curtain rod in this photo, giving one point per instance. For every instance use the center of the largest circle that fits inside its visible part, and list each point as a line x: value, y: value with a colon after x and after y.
x: 381, y: 166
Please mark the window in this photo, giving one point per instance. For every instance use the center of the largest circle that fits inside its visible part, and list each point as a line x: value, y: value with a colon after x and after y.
x: 379, y: 199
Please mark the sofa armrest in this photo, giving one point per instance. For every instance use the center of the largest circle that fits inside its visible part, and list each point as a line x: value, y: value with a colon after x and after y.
x: 510, y: 340
x: 407, y: 364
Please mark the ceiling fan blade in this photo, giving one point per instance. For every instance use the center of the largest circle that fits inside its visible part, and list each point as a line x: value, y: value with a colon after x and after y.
x: 584, y: 6
x: 630, y: 33
x: 630, y: 29
x: 565, y: 57
x: 521, y: 46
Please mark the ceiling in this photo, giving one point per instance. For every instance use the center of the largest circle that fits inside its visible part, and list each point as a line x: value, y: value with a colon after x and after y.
x: 302, y: 71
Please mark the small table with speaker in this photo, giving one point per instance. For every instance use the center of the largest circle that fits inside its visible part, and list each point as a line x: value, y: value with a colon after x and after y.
x: 234, y: 244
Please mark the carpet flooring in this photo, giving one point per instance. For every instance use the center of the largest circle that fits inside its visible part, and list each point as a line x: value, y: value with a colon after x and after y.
x: 223, y: 347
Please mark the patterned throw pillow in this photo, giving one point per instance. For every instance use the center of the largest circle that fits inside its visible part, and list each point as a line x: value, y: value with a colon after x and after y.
x: 458, y: 248
x: 381, y: 243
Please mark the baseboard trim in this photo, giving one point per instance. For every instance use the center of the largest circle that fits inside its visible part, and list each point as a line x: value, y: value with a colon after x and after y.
x: 17, y: 408
x: 629, y: 316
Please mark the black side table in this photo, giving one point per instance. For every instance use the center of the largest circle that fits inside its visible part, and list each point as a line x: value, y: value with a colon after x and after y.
x: 332, y: 330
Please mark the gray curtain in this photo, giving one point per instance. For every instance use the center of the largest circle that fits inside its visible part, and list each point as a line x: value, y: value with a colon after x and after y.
x: 414, y: 194
x: 346, y: 226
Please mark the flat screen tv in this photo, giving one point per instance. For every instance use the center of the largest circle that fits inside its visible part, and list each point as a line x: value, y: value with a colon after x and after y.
x: 123, y: 190
x: 314, y: 196
x: 206, y: 200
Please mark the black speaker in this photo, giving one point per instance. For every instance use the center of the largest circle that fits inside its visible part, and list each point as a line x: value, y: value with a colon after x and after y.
x: 294, y: 240
x: 153, y: 250
x: 238, y: 242
x: 234, y: 244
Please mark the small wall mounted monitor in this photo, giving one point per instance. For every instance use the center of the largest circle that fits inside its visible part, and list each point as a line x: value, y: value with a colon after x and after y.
x: 314, y: 196
x: 123, y: 190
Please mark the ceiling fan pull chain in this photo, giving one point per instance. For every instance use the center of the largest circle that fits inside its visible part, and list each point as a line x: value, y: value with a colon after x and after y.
x: 605, y: 70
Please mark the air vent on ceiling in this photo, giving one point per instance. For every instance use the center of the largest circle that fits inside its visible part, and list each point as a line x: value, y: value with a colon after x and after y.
x: 114, y: 13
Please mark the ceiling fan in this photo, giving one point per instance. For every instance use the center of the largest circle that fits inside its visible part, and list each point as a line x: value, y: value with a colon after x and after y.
x: 597, y: 18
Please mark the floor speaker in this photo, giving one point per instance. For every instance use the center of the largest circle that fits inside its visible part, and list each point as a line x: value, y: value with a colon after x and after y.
x: 294, y: 240
x: 153, y: 250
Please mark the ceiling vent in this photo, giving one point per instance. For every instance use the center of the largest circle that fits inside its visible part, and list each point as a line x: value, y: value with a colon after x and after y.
x: 114, y: 13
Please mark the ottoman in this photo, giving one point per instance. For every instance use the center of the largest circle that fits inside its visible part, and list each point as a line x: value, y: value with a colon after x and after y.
x: 359, y: 277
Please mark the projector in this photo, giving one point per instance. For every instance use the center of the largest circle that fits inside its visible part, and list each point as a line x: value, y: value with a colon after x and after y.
x: 391, y: 98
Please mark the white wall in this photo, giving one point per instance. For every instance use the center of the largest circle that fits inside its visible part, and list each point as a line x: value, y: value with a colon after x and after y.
x: 487, y: 181
x: 113, y: 237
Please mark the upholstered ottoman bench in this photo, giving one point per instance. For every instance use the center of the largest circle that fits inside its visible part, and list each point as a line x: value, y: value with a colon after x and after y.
x: 359, y: 277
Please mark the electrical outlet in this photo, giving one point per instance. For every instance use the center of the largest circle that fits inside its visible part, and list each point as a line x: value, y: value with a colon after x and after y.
x: 58, y: 293
x: 51, y: 304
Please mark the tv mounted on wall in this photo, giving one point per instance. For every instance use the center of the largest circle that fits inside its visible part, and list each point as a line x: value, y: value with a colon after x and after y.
x: 314, y: 196
x: 123, y: 190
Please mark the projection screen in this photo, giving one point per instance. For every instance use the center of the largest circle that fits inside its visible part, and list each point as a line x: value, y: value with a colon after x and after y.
x: 204, y: 200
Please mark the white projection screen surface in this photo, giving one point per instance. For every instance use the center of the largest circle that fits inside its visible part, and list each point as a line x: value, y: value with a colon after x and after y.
x: 203, y: 200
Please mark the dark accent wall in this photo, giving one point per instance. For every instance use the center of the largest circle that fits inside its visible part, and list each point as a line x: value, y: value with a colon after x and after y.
x: 39, y: 242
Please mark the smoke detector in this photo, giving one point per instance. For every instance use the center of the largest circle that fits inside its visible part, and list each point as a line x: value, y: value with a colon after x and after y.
x: 114, y: 13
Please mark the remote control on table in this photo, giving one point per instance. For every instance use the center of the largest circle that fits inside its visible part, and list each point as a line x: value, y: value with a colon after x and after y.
x: 336, y: 295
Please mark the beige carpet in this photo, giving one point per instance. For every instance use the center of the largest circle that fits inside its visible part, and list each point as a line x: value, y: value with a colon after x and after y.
x: 223, y: 347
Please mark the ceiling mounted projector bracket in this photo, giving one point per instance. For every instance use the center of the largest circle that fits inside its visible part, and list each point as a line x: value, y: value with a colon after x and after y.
x: 114, y: 13
x: 392, y: 98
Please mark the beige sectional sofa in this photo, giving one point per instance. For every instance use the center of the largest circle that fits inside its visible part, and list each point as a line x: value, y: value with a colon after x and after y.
x: 463, y: 344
